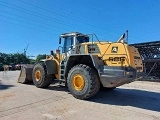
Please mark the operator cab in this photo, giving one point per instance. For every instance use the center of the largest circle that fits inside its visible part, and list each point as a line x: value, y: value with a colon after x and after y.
x: 71, y: 41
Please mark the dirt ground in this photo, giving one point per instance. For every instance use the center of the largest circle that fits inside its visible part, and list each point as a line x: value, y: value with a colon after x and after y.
x: 139, y: 100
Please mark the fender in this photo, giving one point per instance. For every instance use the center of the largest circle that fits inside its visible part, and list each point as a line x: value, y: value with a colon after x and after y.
x: 51, y: 66
x: 90, y: 60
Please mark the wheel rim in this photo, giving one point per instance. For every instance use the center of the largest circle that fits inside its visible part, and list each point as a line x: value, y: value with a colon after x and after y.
x: 38, y: 75
x: 78, y: 82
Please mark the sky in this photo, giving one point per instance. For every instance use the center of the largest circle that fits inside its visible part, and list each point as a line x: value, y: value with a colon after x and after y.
x: 35, y: 25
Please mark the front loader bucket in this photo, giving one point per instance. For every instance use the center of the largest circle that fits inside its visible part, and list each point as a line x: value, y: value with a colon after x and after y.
x: 26, y: 73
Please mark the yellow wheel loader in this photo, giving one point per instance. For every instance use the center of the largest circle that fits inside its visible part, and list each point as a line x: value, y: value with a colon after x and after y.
x: 85, y: 65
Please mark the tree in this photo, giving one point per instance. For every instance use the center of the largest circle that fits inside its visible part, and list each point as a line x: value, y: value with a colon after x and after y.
x: 40, y: 57
x: 13, y: 58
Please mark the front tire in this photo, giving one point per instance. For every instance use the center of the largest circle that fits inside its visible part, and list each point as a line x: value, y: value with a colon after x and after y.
x: 40, y: 77
x: 83, y: 81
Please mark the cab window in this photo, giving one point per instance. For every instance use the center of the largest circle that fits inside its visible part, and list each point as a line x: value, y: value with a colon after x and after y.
x: 82, y: 39
x: 68, y: 44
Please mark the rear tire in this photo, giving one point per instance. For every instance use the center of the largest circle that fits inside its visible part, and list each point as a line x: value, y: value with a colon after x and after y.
x: 83, y: 81
x: 40, y: 77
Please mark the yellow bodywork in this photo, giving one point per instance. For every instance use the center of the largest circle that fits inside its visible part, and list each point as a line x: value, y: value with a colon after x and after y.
x: 125, y: 55
x: 57, y: 58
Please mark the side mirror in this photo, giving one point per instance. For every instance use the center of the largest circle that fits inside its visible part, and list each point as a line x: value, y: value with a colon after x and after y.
x: 60, y: 40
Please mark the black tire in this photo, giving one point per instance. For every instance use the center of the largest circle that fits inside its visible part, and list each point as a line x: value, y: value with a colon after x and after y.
x: 44, y: 80
x: 91, y: 81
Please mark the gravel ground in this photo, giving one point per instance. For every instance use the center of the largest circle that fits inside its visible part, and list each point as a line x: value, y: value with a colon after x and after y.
x: 139, y: 100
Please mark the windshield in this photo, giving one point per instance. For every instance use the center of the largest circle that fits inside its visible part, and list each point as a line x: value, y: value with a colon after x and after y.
x: 68, y: 44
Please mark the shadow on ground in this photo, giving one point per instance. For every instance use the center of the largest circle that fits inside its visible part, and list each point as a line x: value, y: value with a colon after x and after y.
x: 121, y: 97
x: 57, y: 87
x: 3, y: 87
x: 53, y: 86
x: 129, y: 97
